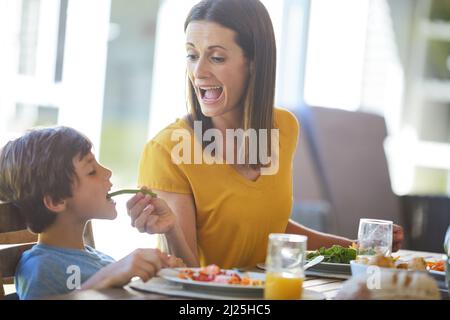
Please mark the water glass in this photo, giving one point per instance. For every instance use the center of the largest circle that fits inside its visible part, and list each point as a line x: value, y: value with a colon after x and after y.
x: 285, y: 258
x: 447, y: 254
x: 447, y: 242
x: 375, y: 237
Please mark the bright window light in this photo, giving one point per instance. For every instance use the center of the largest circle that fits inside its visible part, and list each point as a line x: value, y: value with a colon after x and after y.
x: 168, y: 91
x: 335, y: 54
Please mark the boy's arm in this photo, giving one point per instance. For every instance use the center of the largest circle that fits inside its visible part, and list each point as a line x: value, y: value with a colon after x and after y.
x: 142, y: 263
x: 99, y: 280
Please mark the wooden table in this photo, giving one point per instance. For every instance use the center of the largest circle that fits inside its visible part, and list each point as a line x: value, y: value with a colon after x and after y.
x: 328, y: 286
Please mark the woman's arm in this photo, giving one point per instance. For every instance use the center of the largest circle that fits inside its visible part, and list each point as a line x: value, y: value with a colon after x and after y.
x: 171, y: 214
x: 317, y: 239
x: 182, y: 238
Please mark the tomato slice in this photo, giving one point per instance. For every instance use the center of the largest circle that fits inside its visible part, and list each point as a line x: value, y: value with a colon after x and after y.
x: 203, y: 277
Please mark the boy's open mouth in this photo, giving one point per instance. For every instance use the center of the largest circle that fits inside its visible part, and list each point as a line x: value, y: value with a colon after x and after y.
x: 109, y: 199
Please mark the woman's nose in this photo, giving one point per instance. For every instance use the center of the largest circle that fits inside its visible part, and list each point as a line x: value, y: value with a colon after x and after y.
x: 201, y: 69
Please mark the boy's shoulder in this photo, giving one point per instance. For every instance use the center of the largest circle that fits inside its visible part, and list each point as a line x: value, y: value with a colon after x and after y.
x: 36, y: 253
x: 42, y: 255
x: 40, y: 258
x: 40, y: 273
x: 45, y: 270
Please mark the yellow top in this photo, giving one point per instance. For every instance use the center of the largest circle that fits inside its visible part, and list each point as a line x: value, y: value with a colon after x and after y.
x: 234, y: 215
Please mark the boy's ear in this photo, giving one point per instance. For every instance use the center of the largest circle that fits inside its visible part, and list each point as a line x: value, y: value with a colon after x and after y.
x: 54, y: 206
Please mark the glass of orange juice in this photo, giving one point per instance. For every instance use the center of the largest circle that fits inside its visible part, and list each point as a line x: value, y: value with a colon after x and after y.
x: 284, y: 266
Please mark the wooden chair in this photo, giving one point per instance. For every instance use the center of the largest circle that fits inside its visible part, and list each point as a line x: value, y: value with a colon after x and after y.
x: 14, y: 240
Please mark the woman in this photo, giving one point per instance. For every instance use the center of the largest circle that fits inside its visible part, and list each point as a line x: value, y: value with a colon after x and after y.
x: 224, y: 212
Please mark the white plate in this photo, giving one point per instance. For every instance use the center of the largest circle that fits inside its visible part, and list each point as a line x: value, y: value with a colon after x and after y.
x: 440, y: 277
x: 330, y: 267
x: 172, y: 275
x: 227, y: 290
x: 167, y: 287
x: 437, y: 273
x: 325, y: 267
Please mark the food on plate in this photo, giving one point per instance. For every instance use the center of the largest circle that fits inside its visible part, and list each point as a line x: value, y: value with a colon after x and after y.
x: 335, y: 254
x: 415, y: 264
x: 213, y: 273
x: 402, y: 285
x: 436, y: 265
x: 402, y: 265
x: 382, y: 261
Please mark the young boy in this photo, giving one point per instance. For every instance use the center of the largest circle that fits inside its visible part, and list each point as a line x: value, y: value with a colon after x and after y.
x: 54, y: 179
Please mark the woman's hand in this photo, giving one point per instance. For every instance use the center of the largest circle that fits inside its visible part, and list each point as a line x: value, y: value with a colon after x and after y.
x: 397, y: 238
x: 177, y: 222
x: 151, y: 215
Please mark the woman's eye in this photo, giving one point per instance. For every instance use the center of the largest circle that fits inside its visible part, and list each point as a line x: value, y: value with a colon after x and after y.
x: 92, y: 173
x: 191, y: 57
x: 217, y: 59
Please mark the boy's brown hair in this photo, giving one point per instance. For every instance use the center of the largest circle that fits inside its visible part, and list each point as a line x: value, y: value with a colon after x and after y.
x: 38, y: 164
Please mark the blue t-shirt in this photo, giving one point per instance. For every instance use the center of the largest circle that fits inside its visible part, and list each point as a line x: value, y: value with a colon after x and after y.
x: 46, y: 270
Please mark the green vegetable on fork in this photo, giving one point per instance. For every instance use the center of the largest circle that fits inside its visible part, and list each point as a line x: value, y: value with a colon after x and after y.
x: 131, y: 191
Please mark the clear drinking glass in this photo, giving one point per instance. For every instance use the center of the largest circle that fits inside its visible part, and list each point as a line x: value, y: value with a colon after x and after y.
x: 375, y: 237
x: 447, y: 242
x: 447, y: 254
x: 285, y: 258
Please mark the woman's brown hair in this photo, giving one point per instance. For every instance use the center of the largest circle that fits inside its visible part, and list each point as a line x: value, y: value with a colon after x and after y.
x: 251, y: 22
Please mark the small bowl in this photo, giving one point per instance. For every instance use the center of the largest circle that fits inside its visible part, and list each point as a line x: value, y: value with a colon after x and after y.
x: 358, y: 268
x: 361, y: 268
x: 390, y: 283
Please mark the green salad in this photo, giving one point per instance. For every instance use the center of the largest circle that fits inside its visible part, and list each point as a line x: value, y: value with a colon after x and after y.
x: 335, y: 254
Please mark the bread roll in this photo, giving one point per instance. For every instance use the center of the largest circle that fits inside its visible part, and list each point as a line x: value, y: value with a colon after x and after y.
x: 417, y: 264
x: 390, y: 285
x: 382, y: 261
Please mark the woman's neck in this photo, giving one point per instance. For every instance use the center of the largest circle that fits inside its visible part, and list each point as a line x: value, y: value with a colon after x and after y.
x: 64, y: 233
x: 229, y: 120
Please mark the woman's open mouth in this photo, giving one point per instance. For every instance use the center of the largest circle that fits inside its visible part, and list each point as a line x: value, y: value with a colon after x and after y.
x: 211, y: 95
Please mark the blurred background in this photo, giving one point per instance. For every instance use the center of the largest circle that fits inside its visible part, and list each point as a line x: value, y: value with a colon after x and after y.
x: 115, y: 70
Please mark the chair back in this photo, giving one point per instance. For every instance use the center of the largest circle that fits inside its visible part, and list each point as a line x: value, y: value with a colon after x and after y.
x: 15, y: 238
x: 351, y: 149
